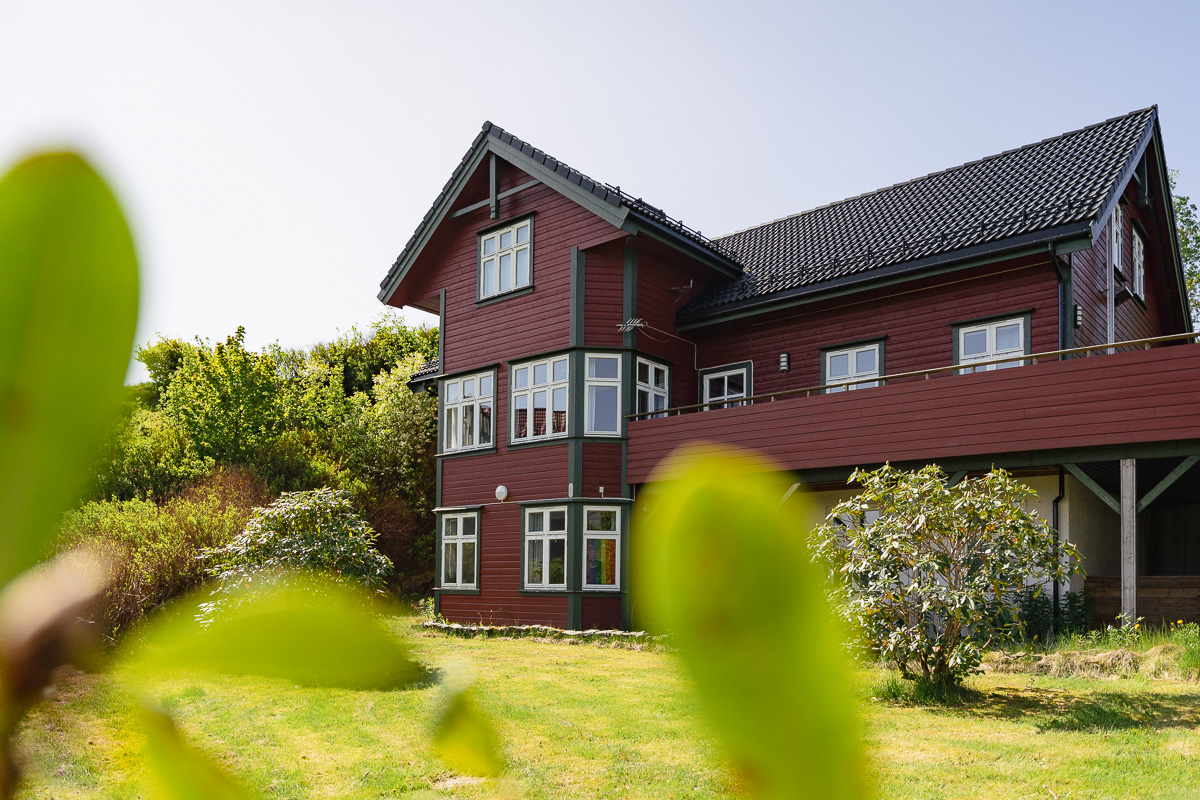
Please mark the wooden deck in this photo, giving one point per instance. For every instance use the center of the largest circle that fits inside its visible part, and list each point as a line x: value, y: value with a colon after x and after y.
x: 1130, y: 398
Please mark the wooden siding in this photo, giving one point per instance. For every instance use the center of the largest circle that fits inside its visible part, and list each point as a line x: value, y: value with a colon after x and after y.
x: 514, y: 327
x: 1126, y: 398
x: 601, y: 467
x: 660, y: 295
x: 604, y: 281
x: 1161, y: 599
x: 602, y: 612
x: 913, y: 319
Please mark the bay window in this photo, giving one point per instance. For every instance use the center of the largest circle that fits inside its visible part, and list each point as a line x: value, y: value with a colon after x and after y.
x: 545, y: 548
x: 603, y: 386
x: 467, y: 412
x: 539, y: 399
x: 601, y: 547
x: 460, y: 550
x: 652, y: 382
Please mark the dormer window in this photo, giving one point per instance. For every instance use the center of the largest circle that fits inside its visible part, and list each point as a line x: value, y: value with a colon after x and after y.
x: 506, y: 259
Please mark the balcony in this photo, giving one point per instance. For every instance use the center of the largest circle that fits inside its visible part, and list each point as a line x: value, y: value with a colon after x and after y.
x: 1073, y: 405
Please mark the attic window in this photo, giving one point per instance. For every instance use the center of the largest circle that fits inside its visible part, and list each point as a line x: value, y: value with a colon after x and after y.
x: 505, y: 259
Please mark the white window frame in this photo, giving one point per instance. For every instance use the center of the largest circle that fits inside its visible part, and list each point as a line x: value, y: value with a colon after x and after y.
x: 727, y: 400
x: 591, y: 383
x: 1117, y: 239
x: 602, y: 535
x: 649, y: 390
x: 1139, y: 265
x: 457, y: 540
x: 545, y: 536
x: 552, y: 386
x: 992, y: 352
x: 453, y: 432
x: 492, y: 255
x: 835, y: 384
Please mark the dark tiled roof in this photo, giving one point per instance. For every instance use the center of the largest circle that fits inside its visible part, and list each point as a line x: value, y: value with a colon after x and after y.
x: 603, y: 191
x: 1041, y: 186
x: 429, y: 369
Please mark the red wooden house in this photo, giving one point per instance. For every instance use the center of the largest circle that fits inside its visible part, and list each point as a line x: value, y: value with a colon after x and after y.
x: 1025, y: 310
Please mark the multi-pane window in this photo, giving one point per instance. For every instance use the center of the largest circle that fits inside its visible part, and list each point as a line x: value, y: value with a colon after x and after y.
x: 724, y: 386
x: 603, y: 395
x: 651, y: 386
x: 991, y: 341
x: 601, y: 548
x: 467, y: 413
x: 852, y: 364
x: 460, y: 548
x: 1118, y: 239
x: 1139, y: 266
x: 539, y: 399
x: 505, y: 258
x: 546, y: 548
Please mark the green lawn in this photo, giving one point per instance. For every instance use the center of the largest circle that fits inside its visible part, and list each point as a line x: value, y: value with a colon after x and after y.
x: 589, y: 721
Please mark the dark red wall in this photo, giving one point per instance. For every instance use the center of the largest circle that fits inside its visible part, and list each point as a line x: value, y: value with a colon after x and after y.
x: 913, y: 318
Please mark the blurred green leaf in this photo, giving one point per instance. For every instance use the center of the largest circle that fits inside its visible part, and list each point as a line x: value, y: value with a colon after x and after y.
x: 308, y: 630
x: 466, y: 739
x: 725, y: 568
x: 68, y: 306
x: 175, y: 771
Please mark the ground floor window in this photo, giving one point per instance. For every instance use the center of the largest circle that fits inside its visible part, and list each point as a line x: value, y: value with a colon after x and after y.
x: 460, y: 550
x: 546, y: 548
x: 601, y: 548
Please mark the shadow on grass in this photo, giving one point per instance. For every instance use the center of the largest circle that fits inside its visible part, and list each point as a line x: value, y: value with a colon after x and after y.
x: 1051, y: 709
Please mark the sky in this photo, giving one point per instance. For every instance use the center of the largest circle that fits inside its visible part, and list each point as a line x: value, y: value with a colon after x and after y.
x: 274, y: 157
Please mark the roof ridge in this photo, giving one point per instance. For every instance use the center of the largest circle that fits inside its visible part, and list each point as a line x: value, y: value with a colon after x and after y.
x: 1151, y: 108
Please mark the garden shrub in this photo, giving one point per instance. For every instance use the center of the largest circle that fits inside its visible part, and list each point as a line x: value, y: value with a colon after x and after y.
x: 155, y: 548
x: 938, y: 576
x: 1041, y: 621
x: 312, y: 530
x: 150, y: 457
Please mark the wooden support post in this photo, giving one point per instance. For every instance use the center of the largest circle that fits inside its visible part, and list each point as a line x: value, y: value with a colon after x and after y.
x: 1129, y: 539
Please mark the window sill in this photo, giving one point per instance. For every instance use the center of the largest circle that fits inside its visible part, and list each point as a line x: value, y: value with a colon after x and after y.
x: 603, y: 589
x: 474, y: 451
x: 456, y: 590
x: 496, y: 298
x: 550, y: 590
x: 543, y: 440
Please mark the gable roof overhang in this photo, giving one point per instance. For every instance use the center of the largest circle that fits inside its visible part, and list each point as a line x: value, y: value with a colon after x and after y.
x: 607, y: 202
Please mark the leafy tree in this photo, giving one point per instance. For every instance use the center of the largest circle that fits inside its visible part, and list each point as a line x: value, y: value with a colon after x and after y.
x: 1188, y: 228
x: 938, y: 576
x: 150, y: 457
x: 363, y: 357
x: 162, y: 360
x: 227, y: 399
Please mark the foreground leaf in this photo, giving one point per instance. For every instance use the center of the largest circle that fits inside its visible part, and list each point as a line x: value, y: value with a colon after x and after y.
x: 307, y: 630
x: 725, y: 569
x: 68, y: 306
x: 466, y: 739
x: 175, y: 771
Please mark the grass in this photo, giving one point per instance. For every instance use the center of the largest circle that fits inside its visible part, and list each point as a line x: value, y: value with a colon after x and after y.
x: 590, y: 721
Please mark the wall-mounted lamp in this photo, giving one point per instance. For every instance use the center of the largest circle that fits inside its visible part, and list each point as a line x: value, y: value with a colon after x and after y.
x: 785, y: 362
x: 501, y: 493
x: 1078, y: 315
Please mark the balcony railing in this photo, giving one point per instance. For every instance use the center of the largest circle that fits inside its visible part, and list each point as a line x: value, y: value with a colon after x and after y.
x: 973, y: 366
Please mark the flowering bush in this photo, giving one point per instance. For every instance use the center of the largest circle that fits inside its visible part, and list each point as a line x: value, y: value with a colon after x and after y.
x: 937, y: 577
x: 314, y: 530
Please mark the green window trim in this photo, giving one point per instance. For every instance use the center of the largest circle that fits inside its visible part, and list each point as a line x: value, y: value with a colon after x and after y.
x: 490, y: 268
x: 703, y: 375
x: 880, y: 343
x: 1025, y: 315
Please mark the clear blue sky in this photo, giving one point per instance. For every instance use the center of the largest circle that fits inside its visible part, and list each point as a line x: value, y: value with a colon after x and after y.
x: 275, y: 157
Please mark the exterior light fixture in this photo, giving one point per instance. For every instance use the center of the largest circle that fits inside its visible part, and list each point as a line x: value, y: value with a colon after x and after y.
x: 785, y: 362
x: 501, y: 493
x: 1078, y: 315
